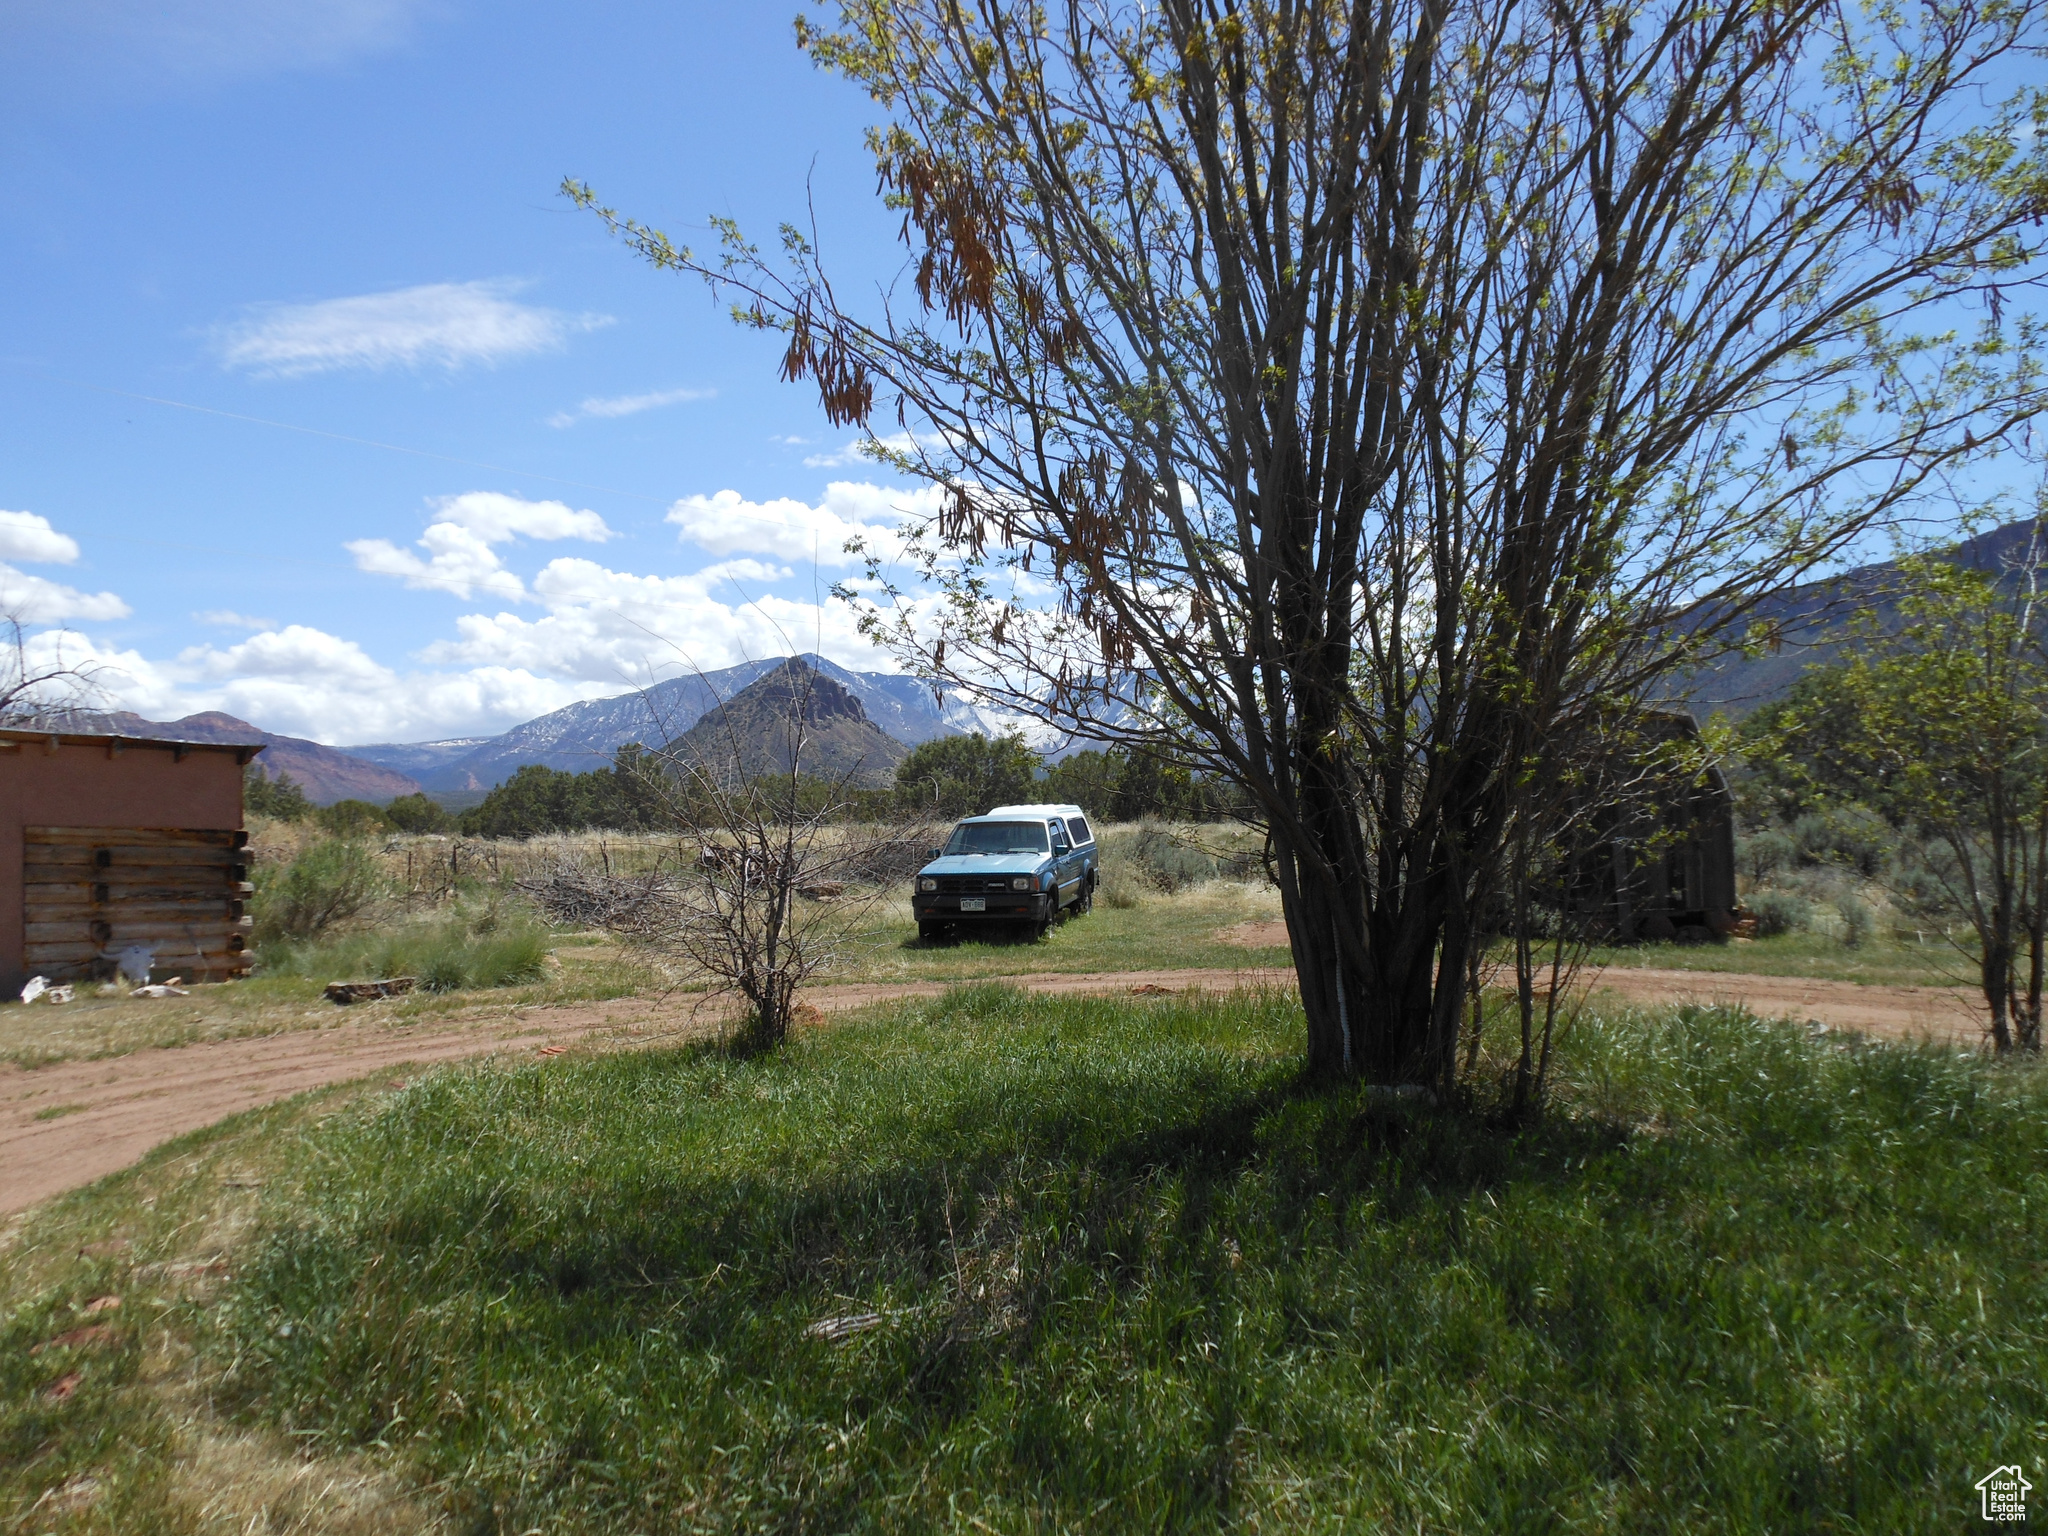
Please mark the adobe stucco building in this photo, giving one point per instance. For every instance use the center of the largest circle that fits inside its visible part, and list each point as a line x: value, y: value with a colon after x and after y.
x: 112, y: 842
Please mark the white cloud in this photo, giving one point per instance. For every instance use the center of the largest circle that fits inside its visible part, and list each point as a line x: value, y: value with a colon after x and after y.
x: 32, y: 600
x: 605, y: 624
x: 598, y: 631
x: 304, y: 682
x: 444, y: 324
x: 295, y: 654
x: 727, y: 523
x: 227, y: 618
x: 457, y: 561
x: 458, y: 543
x: 495, y: 517
x: 627, y: 405
x: 613, y: 629
x: 121, y: 679
x: 25, y: 536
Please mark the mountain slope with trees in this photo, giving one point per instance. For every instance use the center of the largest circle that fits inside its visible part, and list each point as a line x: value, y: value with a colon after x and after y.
x: 1825, y: 623
x: 756, y: 732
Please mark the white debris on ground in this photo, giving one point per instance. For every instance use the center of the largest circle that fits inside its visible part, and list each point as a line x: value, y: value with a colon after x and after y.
x: 39, y: 988
x: 133, y: 963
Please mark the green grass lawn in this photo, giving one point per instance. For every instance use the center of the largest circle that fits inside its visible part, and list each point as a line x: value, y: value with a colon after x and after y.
x: 1002, y: 1263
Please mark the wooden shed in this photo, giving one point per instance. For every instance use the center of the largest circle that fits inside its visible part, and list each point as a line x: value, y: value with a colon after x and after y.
x: 109, y: 843
x: 1657, y: 857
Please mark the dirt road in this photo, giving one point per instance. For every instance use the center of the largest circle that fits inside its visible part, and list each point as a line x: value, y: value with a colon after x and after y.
x: 1944, y: 1015
x: 66, y: 1125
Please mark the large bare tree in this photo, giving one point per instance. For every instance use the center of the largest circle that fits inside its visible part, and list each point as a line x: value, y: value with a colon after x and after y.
x: 1383, y: 400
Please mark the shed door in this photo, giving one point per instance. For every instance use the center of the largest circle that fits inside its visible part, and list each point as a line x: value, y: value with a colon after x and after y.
x: 91, y: 892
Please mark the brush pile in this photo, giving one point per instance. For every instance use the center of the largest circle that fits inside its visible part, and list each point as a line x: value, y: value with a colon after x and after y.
x: 574, y: 896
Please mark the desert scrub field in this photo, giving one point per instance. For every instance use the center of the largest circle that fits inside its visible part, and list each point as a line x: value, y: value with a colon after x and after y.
x: 1010, y: 1263
x: 464, y: 946
x: 515, y: 962
x: 1168, y: 890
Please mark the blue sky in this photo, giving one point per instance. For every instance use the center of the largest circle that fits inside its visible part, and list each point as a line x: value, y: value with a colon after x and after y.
x: 319, y: 405
x: 341, y: 216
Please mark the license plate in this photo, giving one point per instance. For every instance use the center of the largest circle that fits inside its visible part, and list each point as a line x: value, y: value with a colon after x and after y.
x: 973, y: 904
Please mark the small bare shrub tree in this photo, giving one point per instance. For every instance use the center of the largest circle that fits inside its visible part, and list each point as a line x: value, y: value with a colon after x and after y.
x: 770, y: 878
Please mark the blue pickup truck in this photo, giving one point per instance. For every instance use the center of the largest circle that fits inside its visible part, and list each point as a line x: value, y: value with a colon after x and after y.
x: 1019, y: 864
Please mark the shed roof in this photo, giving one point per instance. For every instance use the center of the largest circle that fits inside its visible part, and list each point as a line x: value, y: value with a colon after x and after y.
x: 16, y: 740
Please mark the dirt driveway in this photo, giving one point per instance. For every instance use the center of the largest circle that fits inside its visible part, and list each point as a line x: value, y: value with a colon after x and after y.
x: 64, y: 1126
x: 1944, y: 1015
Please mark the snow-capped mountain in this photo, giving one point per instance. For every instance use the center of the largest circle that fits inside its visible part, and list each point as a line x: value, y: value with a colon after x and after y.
x: 583, y: 736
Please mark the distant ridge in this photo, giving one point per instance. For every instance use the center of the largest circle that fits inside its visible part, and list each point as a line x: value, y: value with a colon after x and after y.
x: 326, y: 774
x: 580, y: 737
x: 753, y: 732
x: 1810, y: 618
x: 419, y: 758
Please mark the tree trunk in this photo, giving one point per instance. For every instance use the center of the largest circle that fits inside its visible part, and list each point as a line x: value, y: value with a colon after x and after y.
x: 1328, y: 994
x: 1995, y: 973
x: 1400, y: 1017
x: 2030, y: 1021
x: 1333, y: 985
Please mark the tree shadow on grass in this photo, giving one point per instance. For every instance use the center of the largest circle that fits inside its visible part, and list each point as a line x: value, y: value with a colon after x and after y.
x: 902, y: 1221
x: 1079, y: 1260
x: 1024, y: 1231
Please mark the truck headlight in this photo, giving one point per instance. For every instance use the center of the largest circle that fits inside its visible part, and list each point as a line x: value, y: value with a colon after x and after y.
x: 927, y: 885
x: 1022, y: 883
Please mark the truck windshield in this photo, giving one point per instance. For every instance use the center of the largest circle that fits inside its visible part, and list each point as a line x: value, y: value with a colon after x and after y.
x: 997, y: 837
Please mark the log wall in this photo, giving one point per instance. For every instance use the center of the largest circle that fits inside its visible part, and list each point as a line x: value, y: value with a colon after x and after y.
x: 90, y: 892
